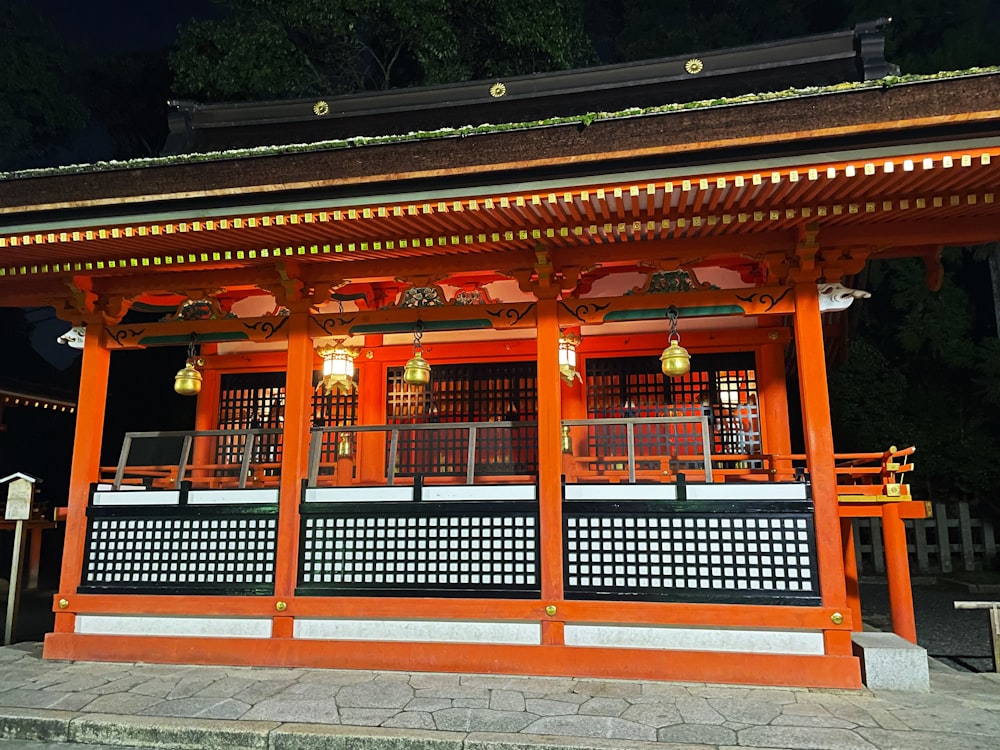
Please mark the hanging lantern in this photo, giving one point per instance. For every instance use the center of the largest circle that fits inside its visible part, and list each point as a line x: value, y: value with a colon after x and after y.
x: 567, y: 358
x: 338, y: 368
x: 675, y: 360
x: 187, y: 381
x: 417, y: 371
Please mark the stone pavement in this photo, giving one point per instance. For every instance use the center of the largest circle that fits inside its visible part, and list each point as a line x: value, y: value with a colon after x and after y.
x: 151, y: 705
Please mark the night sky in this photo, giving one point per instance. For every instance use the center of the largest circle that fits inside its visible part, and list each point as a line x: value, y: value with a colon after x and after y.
x: 122, y: 26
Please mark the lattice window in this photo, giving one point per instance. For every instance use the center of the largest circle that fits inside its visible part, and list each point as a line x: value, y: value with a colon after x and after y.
x: 330, y: 409
x: 722, y: 387
x: 258, y: 400
x: 503, y: 391
x: 180, y: 550
x: 249, y: 401
x: 473, y: 549
x: 666, y: 553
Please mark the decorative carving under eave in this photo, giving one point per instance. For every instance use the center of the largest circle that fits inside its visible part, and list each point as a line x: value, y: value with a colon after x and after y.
x: 205, y: 307
x: 422, y: 296
x: 834, y: 296
x: 678, y: 280
x: 477, y: 295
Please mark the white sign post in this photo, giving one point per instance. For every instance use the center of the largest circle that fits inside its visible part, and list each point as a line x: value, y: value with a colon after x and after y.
x: 20, y: 493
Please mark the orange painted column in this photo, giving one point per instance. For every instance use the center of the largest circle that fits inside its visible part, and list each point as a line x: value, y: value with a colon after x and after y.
x: 550, y: 462
x: 897, y: 573
x: 811, y: 359
x: 773, y: 398
x: 294, y: 448
x: 371, y: 446
x: 851, y: 571
x: 206, y: 417
x: 87, y: 438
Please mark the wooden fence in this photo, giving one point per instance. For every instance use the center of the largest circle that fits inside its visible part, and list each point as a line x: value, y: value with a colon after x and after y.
x: 953, y: 540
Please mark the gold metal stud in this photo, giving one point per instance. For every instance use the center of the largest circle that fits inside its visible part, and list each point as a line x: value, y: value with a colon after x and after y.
x: 497, y: 90
x: 281, y: 606
x: 550, y: 610
x: 837, y: 619
x: 63, y: 603
x: 321, y: 108
x: 694, y: 66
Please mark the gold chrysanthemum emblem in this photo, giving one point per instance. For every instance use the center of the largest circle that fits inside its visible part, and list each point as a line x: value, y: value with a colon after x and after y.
x: 497, y: 90
x: 321, y: 108
x: 694, y: 66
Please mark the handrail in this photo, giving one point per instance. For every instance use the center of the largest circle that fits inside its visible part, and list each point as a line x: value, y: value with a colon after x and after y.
x: 250, y: 435
x: 631, y: 422
x: 316, y: 445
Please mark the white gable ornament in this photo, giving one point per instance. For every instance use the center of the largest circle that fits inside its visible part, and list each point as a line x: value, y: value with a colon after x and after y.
x: 74, y: 337
x: 834, y: 296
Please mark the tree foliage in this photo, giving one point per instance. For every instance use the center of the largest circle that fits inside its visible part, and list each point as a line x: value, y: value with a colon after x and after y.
x: 278, y: 48
x: 38, y: 109
x: 923, y: 370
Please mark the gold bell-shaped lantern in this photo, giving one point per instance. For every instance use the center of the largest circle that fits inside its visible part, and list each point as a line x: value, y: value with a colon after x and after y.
x: 417, y: 371
x: 187, y: 381
x: 675, y: 360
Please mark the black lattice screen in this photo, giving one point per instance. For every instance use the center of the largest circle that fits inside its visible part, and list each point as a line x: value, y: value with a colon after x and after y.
x: 420, y: 549
x: 720, y: 551
x: 503, y: 391
x: 180, y: 550
x: 258, y: 400
x: 721, y: 386
x: 251, y: 400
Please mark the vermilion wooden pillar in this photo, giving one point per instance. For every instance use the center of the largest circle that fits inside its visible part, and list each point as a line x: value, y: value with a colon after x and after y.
x: 773, y: 398
x: 294, y: 448
x: 818, y: 432
x: 897, y: 572
x: 86, y: 467
x: 550, y: 463
x: 369, y: 462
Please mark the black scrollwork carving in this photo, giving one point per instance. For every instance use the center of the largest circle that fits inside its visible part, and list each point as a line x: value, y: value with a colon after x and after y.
x: 267, y: 327
x: 123, y: 335
x: 764, y: 299
x: 511, y: 315
x: 581, y: 312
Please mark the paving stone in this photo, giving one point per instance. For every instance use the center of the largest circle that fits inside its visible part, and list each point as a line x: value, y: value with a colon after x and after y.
x: 292, y: 709
x: 663, y: 690
x: 428, y: 680
x: 458, y: 691
x: 470, y: 703
x: 873, y: 717
x: 803, y: 738
x: 157, y: 687
x: 253, y: 692
x: 781, y: 696
x: 496, y: 741
x: 366, y: 717
x: 122, y: 684
x: 189, y: 686
x: 604, y: 707
x: 265, y: 673
x: 336, y: 676
x: 609, y: 727
x: 577, y: 698
x: 747, y: 711
x: 705, y: 734
x: 481, y: 720
x: 121, y: 703
x: 506, y: 700
x: 164, y: 731
x: 546, y: 707
x: 411, y: 720
x: 202, y: 708
x: 698, y: 711
x: 428, y: 704
x: 608, y: 688
x: 655, y: 715
x: 77, y: 684
x: 45, y: 699
x: 890, y: 740
x: 540, y: 685
x: 721, y: 693
x: 319, y: 737
x: 959, y: 721
x: 791, y: 720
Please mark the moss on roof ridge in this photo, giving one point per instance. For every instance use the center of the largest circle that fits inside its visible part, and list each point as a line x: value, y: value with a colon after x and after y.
x: 465, y: 131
